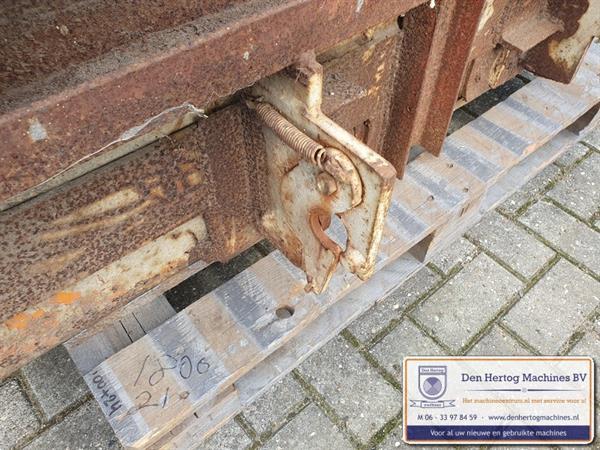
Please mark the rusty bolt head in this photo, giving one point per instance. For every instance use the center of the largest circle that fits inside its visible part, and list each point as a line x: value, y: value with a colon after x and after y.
x: 326, y: 183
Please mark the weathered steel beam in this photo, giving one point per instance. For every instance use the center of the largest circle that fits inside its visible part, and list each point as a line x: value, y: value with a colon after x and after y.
x: 547, y: 37
x: 71, y: 256
x: 559, y: 56
x: 112, y: 98
x: 435, y: 45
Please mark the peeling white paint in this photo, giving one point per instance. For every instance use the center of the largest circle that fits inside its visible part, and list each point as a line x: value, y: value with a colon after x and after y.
x: 488, y: 11
x: 185, y: 109
x: 36, y: 131
x: 359, y: 5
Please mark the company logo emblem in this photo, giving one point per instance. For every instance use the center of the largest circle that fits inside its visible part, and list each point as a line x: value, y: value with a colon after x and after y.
x: 432, y: 381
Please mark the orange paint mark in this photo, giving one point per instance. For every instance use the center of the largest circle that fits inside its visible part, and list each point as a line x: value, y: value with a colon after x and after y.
x: 18, y: 322
x: 21, y: 320
x: 66, y: 297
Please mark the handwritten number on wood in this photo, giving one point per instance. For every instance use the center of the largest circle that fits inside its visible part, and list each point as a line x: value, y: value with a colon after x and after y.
x: 161, y: 370
x: 146, y: 403
x: 185, y: 367
x: 111, y: 401
x: 141, y: 370
x: 202, y: 366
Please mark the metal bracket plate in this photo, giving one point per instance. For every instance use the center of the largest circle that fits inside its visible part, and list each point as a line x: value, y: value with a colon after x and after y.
x: 302, y: 197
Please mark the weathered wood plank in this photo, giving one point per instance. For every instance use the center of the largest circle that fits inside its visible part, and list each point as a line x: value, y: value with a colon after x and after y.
x: 90, y: 350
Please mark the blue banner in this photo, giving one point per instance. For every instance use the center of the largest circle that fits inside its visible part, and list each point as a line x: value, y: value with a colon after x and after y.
x: 494, y: 433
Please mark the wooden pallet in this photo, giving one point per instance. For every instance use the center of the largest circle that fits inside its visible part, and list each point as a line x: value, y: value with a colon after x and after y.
x: 175, y: 384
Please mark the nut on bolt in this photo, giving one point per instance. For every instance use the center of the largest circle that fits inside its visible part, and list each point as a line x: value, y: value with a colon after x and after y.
x: 326, y: 183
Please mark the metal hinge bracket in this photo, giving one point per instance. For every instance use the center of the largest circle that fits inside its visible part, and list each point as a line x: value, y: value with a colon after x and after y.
x: 318, y: 171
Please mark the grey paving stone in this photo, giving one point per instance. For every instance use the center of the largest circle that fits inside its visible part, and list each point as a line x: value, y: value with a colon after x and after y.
x: 498, y: 342
x: 230, y: 436
x: 404, y: 340
x: 393, y: 441
x: 309, y: 430
x: 565, y: 233
x: 270, y: 411
x: 55, y: 381
x: 553, y: 309
x: 359, y: 395
x: 532, y: 190
x: 378, y: 317
x: 580, y: 190
x: 513, y: 245
x: 17, y: 418
x: 593, y: 137
x: 572, y: 155
x: 589, y: 345
x: 460, y: 308
x: 85, y: 428
x: 460, y: 252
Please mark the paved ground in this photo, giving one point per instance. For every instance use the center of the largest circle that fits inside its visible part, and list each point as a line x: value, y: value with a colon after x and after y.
x: 525, y: 280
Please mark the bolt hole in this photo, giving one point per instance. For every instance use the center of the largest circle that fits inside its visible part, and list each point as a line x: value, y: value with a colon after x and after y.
x: 285, y: 312
x: 431, y: 198
x: 465, y: 189
x: 450, y: 165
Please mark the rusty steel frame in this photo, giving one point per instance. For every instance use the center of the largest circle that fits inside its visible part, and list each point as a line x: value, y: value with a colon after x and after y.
x: 547, y: 37
x: 128, y: 161
x: 435, y: 44
x: 99, y: 114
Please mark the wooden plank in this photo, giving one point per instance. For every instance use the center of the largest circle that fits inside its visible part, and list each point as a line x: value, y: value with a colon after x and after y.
x: 227, y: 333
x: 91, y: 349
x: 202, y: 423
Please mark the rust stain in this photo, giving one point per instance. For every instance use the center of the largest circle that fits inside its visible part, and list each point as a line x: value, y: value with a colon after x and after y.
x: 66, y: 297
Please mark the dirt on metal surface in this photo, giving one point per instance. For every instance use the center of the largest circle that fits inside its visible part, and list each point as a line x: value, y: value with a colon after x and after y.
x: 295, y: 199
x: 197, y: 179
x: 41, y: 40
